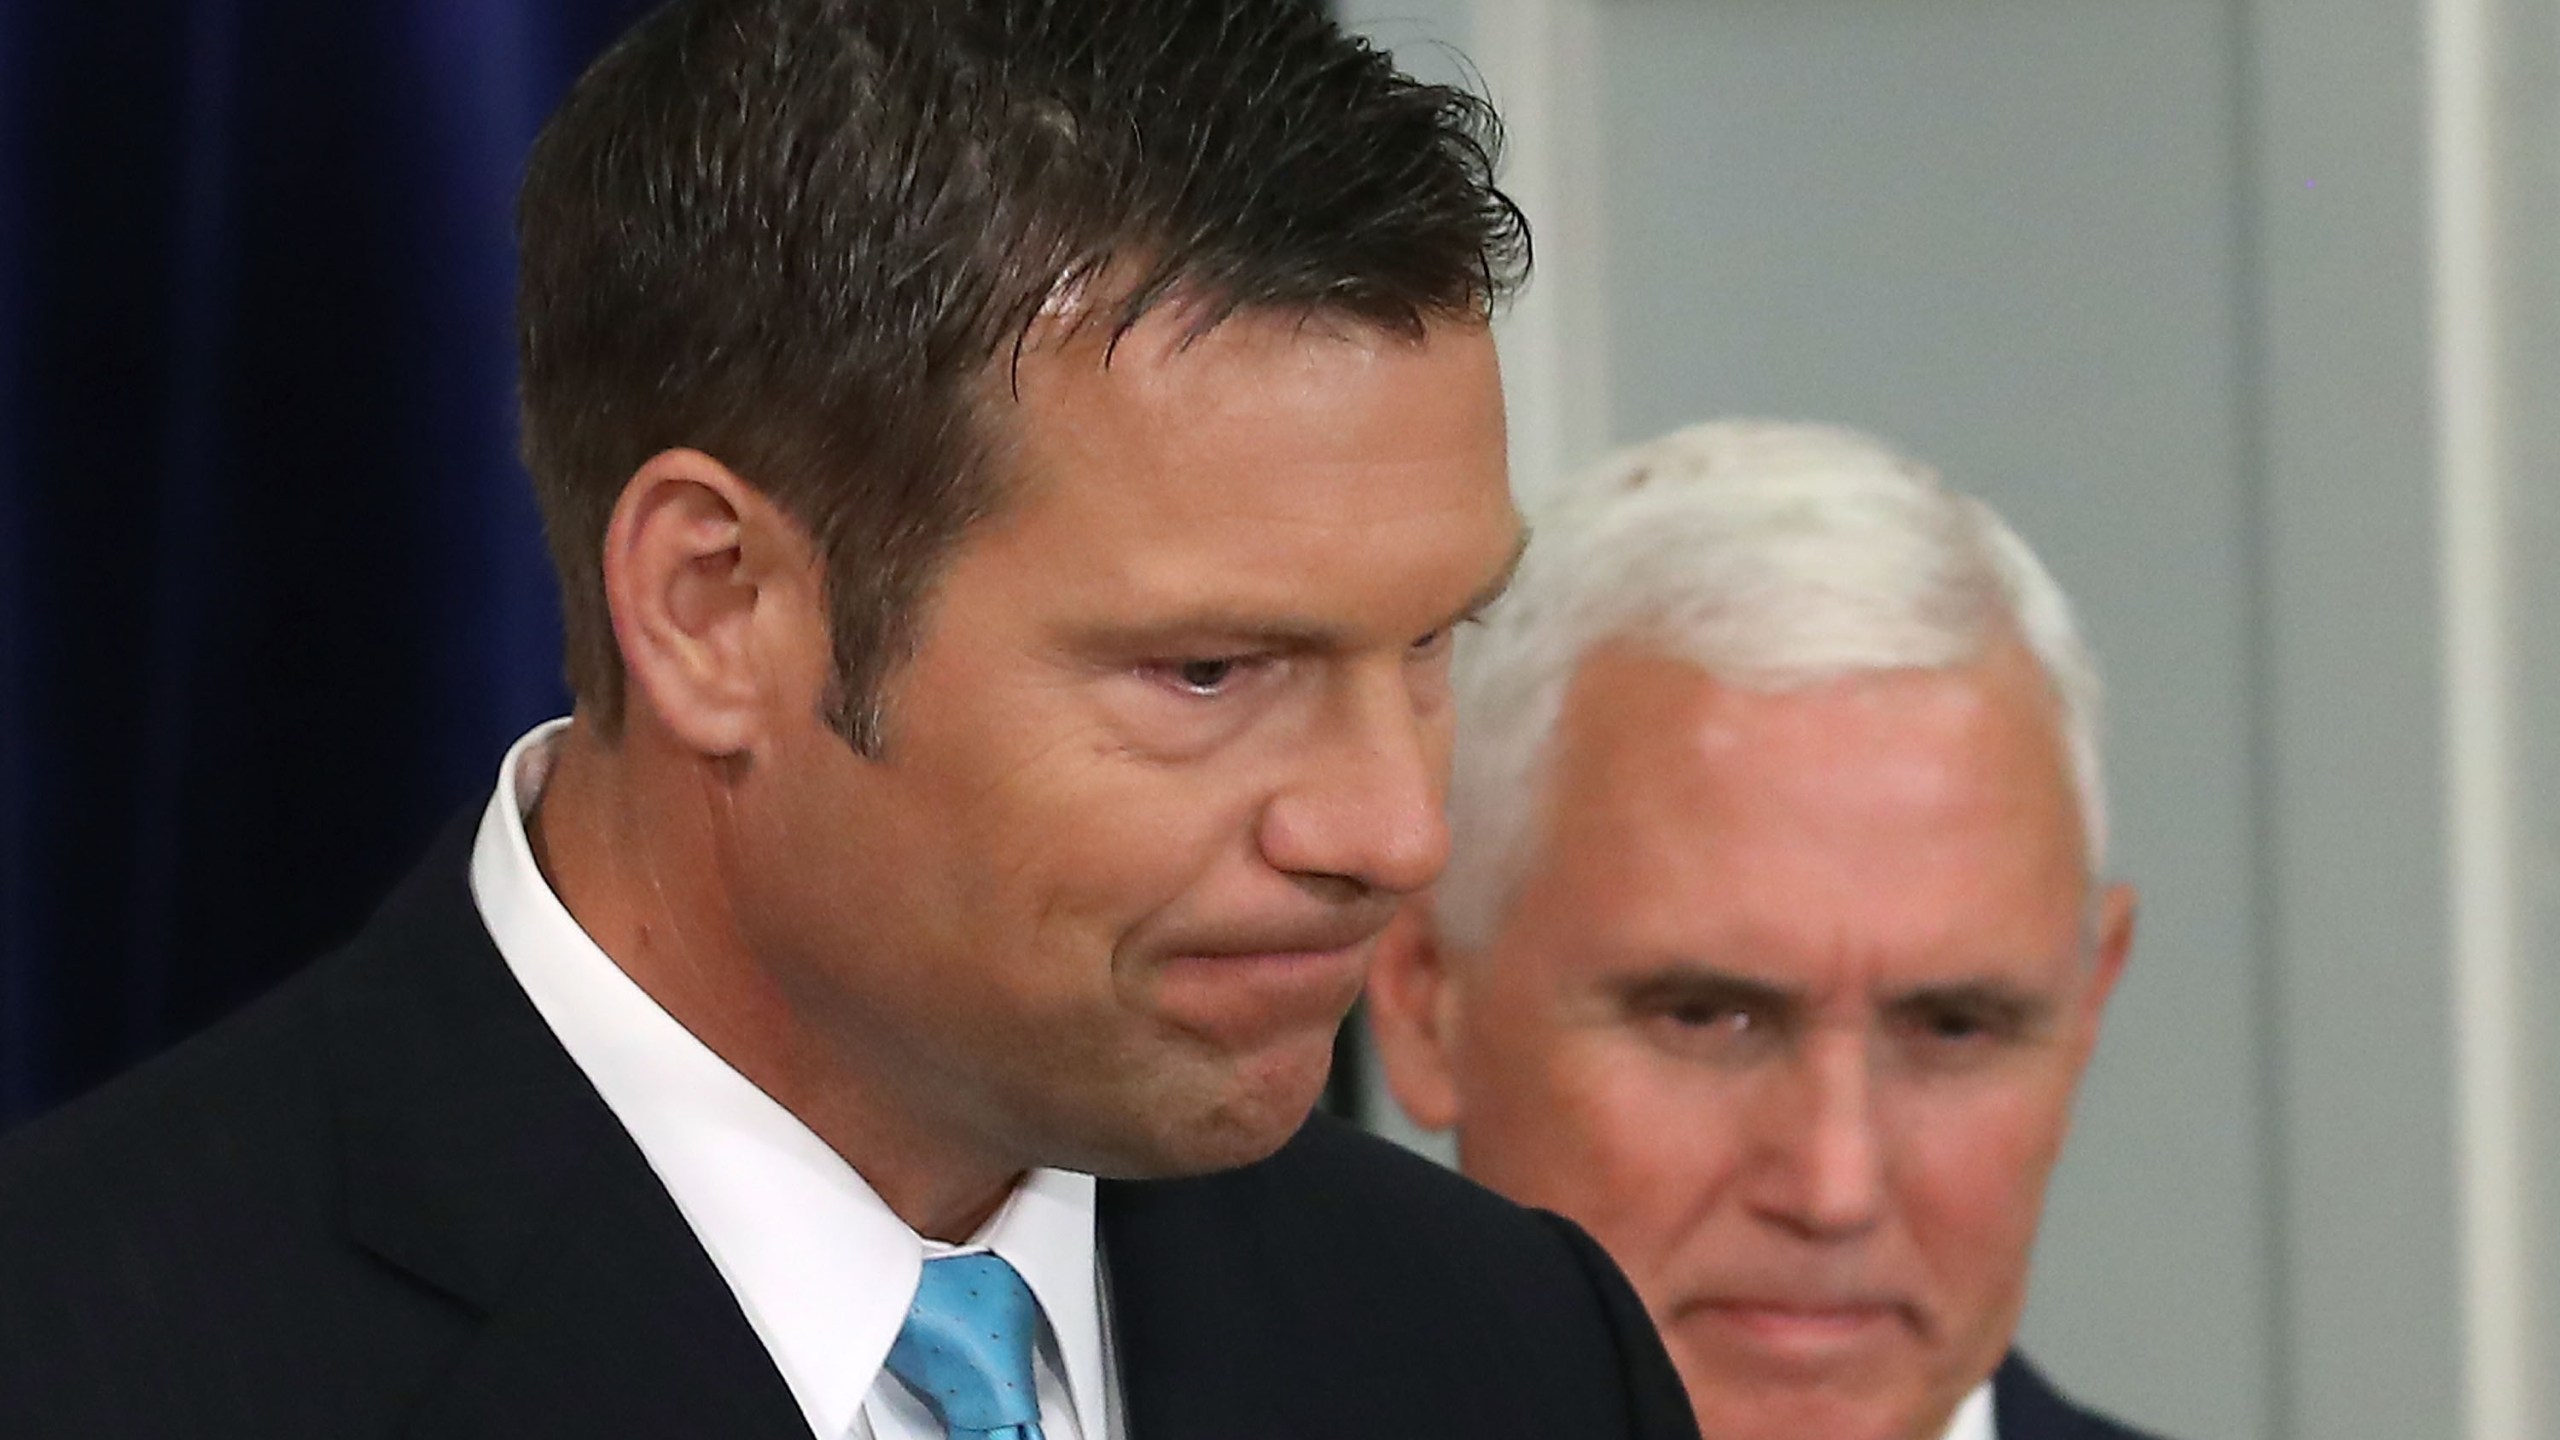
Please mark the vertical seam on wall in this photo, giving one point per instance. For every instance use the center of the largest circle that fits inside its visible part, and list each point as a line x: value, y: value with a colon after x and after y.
x: 2471, y: 474
x: 2266, y: 918
x: 1535, y: 56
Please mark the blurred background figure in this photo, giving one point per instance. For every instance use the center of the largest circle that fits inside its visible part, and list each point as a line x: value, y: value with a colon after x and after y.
x: 2249, y: 313
x: 1776, y: 938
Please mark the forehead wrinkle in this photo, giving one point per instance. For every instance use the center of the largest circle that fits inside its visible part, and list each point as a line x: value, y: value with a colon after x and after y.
x: 1686, y: 749
x: 1165, y: 392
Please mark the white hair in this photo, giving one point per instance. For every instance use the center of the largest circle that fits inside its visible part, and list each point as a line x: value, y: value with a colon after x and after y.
x: 1772, y: 555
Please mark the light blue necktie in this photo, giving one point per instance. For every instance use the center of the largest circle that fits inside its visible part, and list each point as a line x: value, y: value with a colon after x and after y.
x: 966, y: 1348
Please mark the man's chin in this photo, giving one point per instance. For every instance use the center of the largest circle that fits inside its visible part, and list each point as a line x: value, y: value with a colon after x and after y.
x: 1238, y: 1113
x: 1792, y: 1412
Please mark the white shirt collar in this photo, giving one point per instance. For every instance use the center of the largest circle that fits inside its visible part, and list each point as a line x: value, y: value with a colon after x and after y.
x: 821, y: 1266
x: 1973, y: 1419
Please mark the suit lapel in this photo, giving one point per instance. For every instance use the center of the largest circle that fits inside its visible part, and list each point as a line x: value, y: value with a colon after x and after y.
x: 2025, y: 1406
x: 1210, y: 1341
x: 478, y: 1160
x: 618, y: 1327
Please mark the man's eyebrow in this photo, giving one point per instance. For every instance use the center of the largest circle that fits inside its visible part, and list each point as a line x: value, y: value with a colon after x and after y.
x: 1493, y: 589
x: 1214, y: 628
x: 1681, y: 985
x: 1283, y: 634
x: 2007, y: 998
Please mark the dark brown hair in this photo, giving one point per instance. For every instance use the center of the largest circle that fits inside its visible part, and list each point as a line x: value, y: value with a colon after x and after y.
x: 800, y: 235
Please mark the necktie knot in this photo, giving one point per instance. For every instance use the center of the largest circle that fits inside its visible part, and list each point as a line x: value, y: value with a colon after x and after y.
x: 966, y: 1348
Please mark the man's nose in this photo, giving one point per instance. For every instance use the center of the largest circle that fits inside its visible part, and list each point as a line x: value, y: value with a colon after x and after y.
x: 1365, y: 798
x: 1819, y: 1163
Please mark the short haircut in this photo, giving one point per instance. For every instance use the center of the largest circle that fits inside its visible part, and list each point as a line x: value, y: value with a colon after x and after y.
x: 1771, y: 555
x: 808, y: 237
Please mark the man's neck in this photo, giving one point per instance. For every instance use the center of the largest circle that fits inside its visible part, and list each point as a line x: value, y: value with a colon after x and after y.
x: 625, y: 840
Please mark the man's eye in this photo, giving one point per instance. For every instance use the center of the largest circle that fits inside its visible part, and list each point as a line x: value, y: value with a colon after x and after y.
x: 1729, y: 1019
x: 1965, y: 1027
x: 1205, y: 674
x: 1202, y: 677
x: 1710, y: 1031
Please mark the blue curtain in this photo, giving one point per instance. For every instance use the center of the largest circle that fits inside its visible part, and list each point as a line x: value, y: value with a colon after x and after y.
x: 272, y: 594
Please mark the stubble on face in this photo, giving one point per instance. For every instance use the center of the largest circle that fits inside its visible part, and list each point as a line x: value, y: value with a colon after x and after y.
x: 1172, y: 742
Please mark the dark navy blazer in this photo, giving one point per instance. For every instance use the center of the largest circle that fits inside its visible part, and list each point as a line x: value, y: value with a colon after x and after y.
x: 383, y: 1201
x: 2026, y: 1407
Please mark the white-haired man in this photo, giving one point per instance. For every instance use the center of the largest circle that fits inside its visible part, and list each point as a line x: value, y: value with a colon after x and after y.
x: 1775, y: 941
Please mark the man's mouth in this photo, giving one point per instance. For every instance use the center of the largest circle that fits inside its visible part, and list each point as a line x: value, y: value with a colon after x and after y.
x: 1246, y: 991
x: 1804, y: 1332
x: 1347, y: 929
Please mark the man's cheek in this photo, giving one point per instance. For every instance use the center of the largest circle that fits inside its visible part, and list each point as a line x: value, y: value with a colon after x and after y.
x: 1971, y: 1185
x: 1638, y: 1148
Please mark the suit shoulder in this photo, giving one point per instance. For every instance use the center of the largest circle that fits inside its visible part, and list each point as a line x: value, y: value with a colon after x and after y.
x: 181, y: 1189
x: 1351, y: 1248
x: 1340, y: 1198
x: 2026, y: 1406
x: 175, y: 1249
x: 1336, y: 1173
x: 240, y: 1109
x: 220, y: 1103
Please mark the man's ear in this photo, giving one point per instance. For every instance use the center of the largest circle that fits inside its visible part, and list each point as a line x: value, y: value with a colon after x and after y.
x: 715, y: 599
x: 2110, y: 941
x: 1412, y: 1008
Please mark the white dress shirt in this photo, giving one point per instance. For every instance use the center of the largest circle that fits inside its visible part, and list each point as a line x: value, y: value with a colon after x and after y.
x: 1973, y: 1420
x: 821, y: 1266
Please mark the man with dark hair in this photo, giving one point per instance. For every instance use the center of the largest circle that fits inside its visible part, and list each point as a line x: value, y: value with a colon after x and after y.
x: 1013, y: 469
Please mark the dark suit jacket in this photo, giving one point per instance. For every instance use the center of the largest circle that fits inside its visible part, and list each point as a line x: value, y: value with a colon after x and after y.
x: 383, y: 1201
x: 2026, y: 1407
